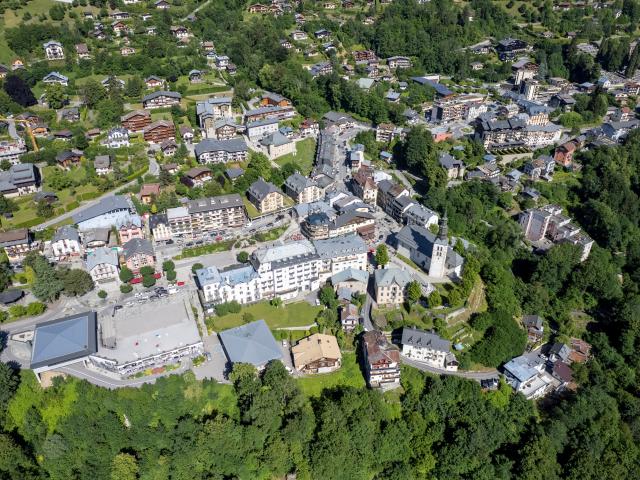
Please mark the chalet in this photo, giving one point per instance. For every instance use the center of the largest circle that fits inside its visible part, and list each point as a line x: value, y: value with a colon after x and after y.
x: 82, y: 51
x: 269, y: 113
x: 258, y: 8
x: 179, y: 31
x: 16, y: 244
x: 541, y: 167
x: 534, y: 325
x: 126, y: 51
x: 154, y: 82
x: 56, y: 77
x: 274, y: 100
x: 136, y: 121
x: 381, y: 361
x: 399, y: 62
x: 170, y: 168
x: 195, y: 76
x: 70, y: 115
x: 149, y: 192
x: 65, y: 134
x: 17, y: 64
x: 112, y: 82
x: 212, y: 109
x: 69, y: 158
x: 102, y: 164
x: 231, y: 68
x: 221, y: 151
x: 322, y: 34
x: 364, y: 56
x: 298, y: 35
x: 309, y: 128
x: 208, y: 46
x: 186, y: 133
x: 119, y: 27
x: 20, y: 179
x: 162, y: 5
x: 317, y: 353
x: 159, y: 131
x: 322, y: 68
x: 4, y: 70
x: 196, y: 177
x: 161, y: 99
x: 117, y: 137
x: 169, y: 147
x: 118, y: 15
x: 53, y: 50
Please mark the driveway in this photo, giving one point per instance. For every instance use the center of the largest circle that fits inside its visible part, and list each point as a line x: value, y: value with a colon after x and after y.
x: 469, y: 375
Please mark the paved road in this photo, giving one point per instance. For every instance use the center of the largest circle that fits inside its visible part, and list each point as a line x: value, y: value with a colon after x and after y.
x: 366, y: 313
x: 13, y: 133
x: 194, y: 11
x: 79, y: 371
x: 470, y: 375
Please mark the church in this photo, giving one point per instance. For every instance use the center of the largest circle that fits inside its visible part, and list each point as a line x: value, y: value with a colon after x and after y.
x: 433, y: 253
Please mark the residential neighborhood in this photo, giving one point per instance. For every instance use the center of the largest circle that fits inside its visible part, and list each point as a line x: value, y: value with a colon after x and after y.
x: 278, y: 224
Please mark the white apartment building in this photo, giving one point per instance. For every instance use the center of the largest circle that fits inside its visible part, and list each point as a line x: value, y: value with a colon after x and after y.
x: 283, y: 271
x: 102, y: 264
x: 12, y: 150
x: 66, y: 242
x: 428, y: 348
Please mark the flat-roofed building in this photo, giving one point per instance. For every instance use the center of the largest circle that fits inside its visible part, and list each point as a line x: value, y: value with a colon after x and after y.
x: 153, y: 335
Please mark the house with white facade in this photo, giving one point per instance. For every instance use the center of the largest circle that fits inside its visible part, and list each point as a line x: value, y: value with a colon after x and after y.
x: 117, y: 137
x: 53, y: 50
x: 429, y: 348
x: 103, y: 265
x: 66, y: 243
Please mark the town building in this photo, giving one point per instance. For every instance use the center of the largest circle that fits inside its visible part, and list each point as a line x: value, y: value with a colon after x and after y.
x: 213, y: 109
x: 221, y: 151
x: 390, y: 285
x: 381, y: 361
x: 196, y: 177
x: 399, y: 62
x: 261, y: 128
x: 317, y: 353
x: 534, y: 324
x: 303, y: 189
x: 349, y: 317
x: 103, y: 265
x: 421, y: 216
x: 541, y: 167
x: 131, y: 230
x: 431, y: 252
x: 283, y: 271
x: 138, y: 253
x: 12, y: 150
x: 146, y: 337
x: 21, y: 179
x: 429, y: 348
x: 159, y: 227
x: 251, y: 343
x: 161, y: 99
x: 108, y: 212
x: 225, y: 129
x: 364, y: 186
x: 527, y: 375
x: 66, y: 243
x: 265, y: 196
x: 352, y: 279
x: 63, y: 341
x: 548, y: 223
x: 278, y: 145
x: 149, y: 192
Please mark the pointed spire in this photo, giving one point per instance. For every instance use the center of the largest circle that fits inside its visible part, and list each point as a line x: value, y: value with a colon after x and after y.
x: 443, y: 232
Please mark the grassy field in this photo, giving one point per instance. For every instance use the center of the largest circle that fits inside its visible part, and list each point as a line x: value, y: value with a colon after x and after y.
x: 306, y: 151
x: 292, y: 315
x: 348, y: 375
x: 205, y: 249
x: 252, y: 211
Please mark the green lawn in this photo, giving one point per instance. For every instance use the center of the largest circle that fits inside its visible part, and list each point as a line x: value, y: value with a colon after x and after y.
x: 306, y: 151
x: 291, y: 315
x: 348, y: 375
x: 252, y: 211
x: 270, y: 235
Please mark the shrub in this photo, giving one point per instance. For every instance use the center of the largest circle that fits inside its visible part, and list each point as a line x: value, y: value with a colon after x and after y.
x: 196, y: 266
x: 168, y: 266
x: 148, y: 281
x: 147, y: 271
x: 171, y: 275
x: 102, y: 294
x: 36, y: 308
x: 126, y: 288
x: 227, y: 308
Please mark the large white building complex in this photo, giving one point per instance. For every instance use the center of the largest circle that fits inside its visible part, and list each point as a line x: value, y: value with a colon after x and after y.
x: 283, y: 271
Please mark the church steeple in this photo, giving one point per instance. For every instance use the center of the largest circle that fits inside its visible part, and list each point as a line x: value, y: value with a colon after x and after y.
x: 443, y: 231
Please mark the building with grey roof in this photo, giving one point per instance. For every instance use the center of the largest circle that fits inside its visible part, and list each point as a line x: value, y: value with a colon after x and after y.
x: 221, y: 151
x: 431, y: 252
x: 302, y: 189
x: 390, y: 285
x: 265, y: 196
x: 110, y: 211
x: 66, y: 242
x: 212, y: 109
x: 160, y: 99
x: 353, y: 279
x: 260, y: 128
x: 103, y: 265
x: 240, y: 284
x: 278, y: 145
x: 251, y: 343
x: 63, y: 341
x: 138, y: 253
x: 20, y: 179
x: 429, y: 348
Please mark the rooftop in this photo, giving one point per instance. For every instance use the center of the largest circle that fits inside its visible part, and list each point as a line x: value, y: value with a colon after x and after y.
x: 251, y: 343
